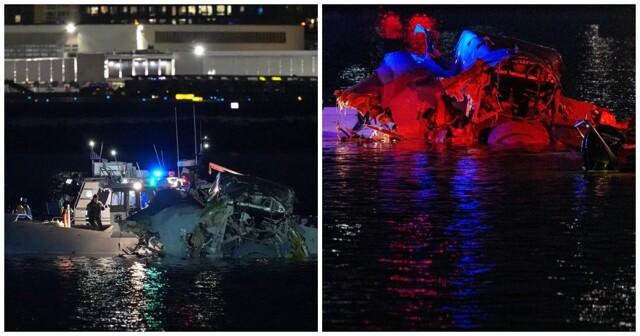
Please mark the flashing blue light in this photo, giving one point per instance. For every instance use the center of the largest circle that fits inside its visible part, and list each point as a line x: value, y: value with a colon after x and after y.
x: 158, y: 173
x: 152, y: 182
x: 211, y: 97
x: 75, y: 98
x: 260, y: 10
x: 144, y: 99
x: 46, y: 100
x: 165, y: 98
x: 29, y: 97
x: 108, y: 97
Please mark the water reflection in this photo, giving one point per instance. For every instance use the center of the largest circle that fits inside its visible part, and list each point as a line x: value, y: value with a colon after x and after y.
x: 429, y: 238
x: 607, y: 299
x: 607, y: 71
x: 130, y: 294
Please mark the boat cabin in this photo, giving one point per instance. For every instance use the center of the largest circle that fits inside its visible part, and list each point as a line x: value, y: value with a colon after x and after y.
x: 120, y: 187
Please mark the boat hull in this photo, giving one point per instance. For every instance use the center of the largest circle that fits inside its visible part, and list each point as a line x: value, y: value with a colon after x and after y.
x: 33, y: 237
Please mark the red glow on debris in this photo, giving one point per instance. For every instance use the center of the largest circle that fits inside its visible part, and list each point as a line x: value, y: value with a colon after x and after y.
x: 416, y: 42
x: 389, y: 26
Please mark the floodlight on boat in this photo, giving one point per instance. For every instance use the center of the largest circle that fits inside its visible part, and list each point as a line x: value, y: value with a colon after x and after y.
x: 137, y: 186
x: 158, y: 173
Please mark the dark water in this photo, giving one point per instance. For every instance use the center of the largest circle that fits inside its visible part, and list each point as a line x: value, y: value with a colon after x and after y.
x: 116, y: 294
x: 428, y: 238
x: 419, y: 237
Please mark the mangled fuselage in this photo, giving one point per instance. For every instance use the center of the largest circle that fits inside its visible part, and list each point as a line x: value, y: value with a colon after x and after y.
x: 497, y: 89
x: 244, y: 216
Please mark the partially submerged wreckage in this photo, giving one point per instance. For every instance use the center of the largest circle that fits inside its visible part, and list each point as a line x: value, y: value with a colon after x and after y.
x: 241, y: 216
x: 497, y: 90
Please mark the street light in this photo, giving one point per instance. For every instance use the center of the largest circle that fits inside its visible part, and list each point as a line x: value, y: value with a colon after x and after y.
x: 71, y: 28
x: 113, y: 152
x: 91, y: 143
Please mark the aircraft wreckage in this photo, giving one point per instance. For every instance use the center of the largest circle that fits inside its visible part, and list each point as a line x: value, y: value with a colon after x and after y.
x: 497, y: 90
x: 244, y: 216
x: 237, y: 216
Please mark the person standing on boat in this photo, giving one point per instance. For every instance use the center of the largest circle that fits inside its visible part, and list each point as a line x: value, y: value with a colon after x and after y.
x: 24, y: 208
x: 94, y: 210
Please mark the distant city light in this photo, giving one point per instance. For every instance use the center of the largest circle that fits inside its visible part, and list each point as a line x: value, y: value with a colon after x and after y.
x: 140, y: 27
x: 299, y: 98
x: 91, y: 143
x: 71, y: 28
x: 235, y: 105
x: 199, y: 50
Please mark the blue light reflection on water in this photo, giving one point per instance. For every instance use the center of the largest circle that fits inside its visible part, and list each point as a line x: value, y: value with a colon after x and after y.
x: 474, y: 238
x: 129, y: 294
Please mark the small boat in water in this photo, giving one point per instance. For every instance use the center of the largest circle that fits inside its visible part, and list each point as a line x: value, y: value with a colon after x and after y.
x: 124, y: 190
x: 23, y: 236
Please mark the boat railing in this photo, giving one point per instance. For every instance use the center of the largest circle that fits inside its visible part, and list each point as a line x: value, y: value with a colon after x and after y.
x: 585, y: 123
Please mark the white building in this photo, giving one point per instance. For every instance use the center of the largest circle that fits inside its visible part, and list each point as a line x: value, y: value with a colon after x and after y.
x: 48, y: 53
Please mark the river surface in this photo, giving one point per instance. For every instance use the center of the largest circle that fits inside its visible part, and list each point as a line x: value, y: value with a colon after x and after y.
x: 131, y: 294
x: 426, y: 237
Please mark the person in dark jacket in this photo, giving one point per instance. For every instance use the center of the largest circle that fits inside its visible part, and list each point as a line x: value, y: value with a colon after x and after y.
x: 94, y: 209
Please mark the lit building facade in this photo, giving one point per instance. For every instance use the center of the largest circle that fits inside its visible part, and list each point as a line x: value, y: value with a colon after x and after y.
x: 116, y: 42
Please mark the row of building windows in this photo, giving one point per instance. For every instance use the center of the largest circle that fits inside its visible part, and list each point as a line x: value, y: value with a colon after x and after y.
x: 34, y: 51
x: 192, y: 10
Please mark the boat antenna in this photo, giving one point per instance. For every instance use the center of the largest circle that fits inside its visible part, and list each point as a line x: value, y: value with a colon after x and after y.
x: 177, y: 145
x: 195, y: 138
x: 157, y: 157
x: 101, y: 144
x: 162, y: 155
